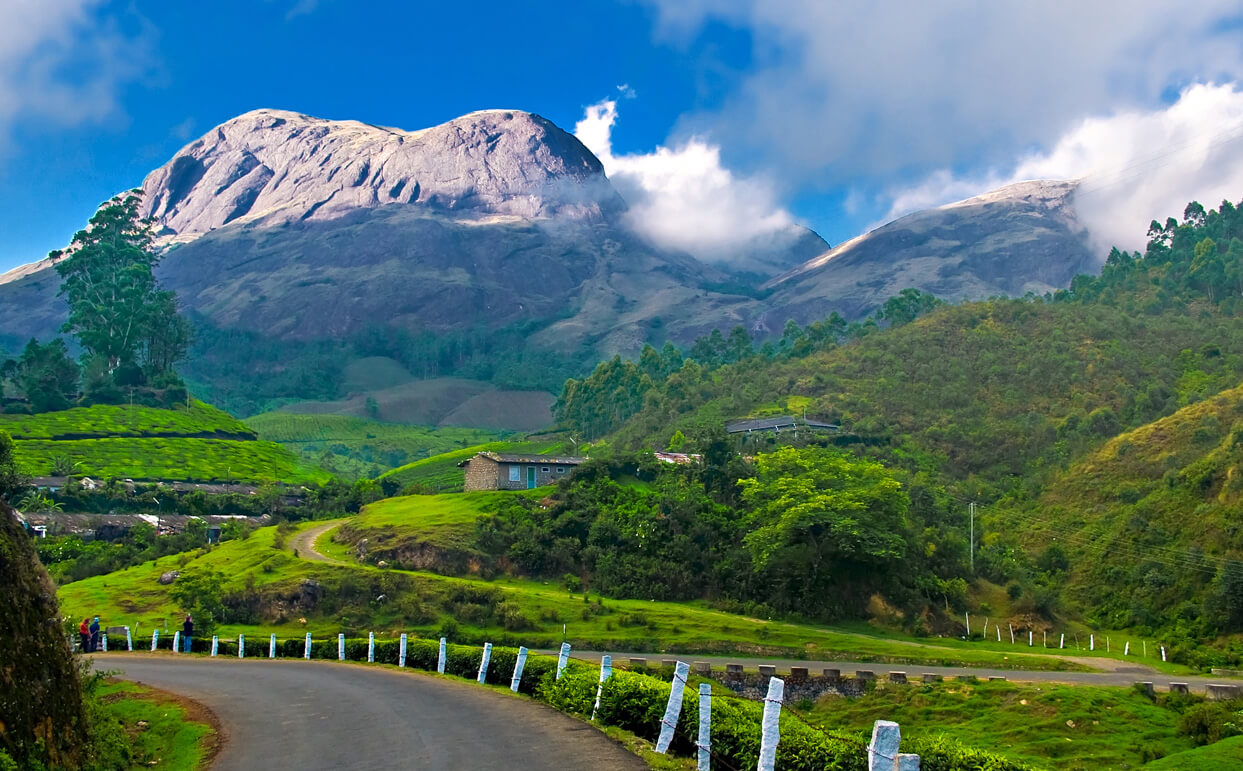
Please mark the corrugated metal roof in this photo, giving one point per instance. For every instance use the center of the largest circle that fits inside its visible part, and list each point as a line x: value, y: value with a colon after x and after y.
x: 548, y: 460
x: 775, y: 424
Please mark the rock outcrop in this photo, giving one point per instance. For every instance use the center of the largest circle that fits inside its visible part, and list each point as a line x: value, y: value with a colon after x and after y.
x: 1021, y: 238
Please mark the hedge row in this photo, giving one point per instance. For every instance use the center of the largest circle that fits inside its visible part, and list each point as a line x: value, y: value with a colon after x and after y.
x: 635, y: 702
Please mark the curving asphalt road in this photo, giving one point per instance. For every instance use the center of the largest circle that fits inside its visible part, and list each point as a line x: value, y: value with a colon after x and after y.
x: 308, y: 715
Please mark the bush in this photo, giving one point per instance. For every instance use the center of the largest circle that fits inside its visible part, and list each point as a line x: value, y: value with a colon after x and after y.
x: 1210, y: 722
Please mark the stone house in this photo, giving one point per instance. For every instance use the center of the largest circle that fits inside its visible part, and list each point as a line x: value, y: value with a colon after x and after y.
x: 511, y: 471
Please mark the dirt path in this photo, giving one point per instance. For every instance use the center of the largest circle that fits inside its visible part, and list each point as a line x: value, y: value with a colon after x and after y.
x: 303, y: 544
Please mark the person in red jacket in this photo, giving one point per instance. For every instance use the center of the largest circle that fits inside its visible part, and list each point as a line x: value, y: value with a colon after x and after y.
x: 84, y: 631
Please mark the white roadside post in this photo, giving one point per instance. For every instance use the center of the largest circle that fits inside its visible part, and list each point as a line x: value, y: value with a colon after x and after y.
x: 1091, y: 642
x: 1062, y: 644
x: 341, y: 646
x: 241, y: 646
x: 483, y: 663
x: 673, y: 708
x: 272, y: 646
x: 371, y: 647
x: 129, y: 640
x: 772, y: 724
x: 103, y: 640
x: 215, y: 645
x: 440, y: 662
x: 968, y: 615
x: 155, y: 639
x: 519, y: 665
x: 1029, y: 638
x: 705, y: 727
x: 606, y: 671
x: 563, y: 659
x: 176, y: 642
x: 998, y: 627
x: 1127, y: 651
x: 1163, y: 653
x: 306, y: 649
x: 401, y: 651
x: 1011, y: 633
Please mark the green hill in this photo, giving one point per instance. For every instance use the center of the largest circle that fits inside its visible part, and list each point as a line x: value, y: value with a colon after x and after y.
x: 441, y: 472
x: 1149, y: 523
x: 358, y: 447
x: 199, y: 443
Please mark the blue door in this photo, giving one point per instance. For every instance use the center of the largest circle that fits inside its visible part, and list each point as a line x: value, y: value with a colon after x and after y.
x: 530, y: 477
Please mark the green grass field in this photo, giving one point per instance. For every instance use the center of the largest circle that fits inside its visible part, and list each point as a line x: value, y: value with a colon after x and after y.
x: 110, y: 421
x: 170, y: 740
x: 1048, y: 726
x: 441, y: 472
x: 446, y: 521
x: 519, y: 611
x: 361, y: 448
x: 1225, y: 754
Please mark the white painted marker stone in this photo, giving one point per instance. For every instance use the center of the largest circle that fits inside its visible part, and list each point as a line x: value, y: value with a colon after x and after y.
x: 483, y: 663
x: 606, y: 671
x: 241, y: 646
x: 519, y: 665
x: 674, y: 707
x: 1163, y: 653
x: 103, y: 640
x: 155, y: 639
x: 215, y: 645
x: 705, y: 727
x: 129, y: 641
x: 371, y: 647
x: 401, y: 651
x: 440, y: 663
x: 563, y: 659
x: 176, y: 642
x: 306, y: 650
x: 1029, y: 638
x: 341, y: 647
x: 272, y: 647
x: 1091, y: 642
x: 1127, y: 651
x: 772, y: 724
x: 1062, y: 644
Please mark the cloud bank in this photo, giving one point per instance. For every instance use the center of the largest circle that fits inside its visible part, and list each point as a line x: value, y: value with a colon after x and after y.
x: 1135, y: 166
x: 62, y: 63
x: 683, y: 197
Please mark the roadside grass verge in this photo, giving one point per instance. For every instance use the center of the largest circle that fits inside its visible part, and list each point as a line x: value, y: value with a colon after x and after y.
x: 267, y: 583
x: 161, y: 732
x: 1225, y: 754
x: 1046, y: 725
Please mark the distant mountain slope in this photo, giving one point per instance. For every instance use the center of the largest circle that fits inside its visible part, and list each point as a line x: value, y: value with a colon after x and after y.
x: 1018, y: 239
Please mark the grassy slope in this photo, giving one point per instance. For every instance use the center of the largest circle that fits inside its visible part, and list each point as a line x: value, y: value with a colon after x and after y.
x: 1225, y: 754
x: 1049, y: 726
x: 446, y: 521
x: 1122, y: 513
x: 170, y: 741
x: 422, y: 602
x: 359, y: 447
x: 441, y: 472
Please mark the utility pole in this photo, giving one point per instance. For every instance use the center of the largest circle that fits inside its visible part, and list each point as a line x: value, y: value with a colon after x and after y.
x: 972, y: 508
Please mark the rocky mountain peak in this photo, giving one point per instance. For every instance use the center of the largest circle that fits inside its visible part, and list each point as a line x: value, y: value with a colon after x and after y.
x: 278, y: 166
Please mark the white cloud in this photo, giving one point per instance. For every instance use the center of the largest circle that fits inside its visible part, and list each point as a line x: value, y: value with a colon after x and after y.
x: 63, y: 63
x: 1135, y: 166
x: 851, y: 92
x: 682, y: 197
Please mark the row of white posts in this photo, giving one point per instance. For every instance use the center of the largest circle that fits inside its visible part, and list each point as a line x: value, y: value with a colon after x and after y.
x: 882, y: 750
x: 1061, y: 643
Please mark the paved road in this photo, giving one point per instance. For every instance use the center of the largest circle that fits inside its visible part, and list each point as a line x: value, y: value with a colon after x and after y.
x: 308, y: 715
x: 304, y: 543
x: 1123, y: 676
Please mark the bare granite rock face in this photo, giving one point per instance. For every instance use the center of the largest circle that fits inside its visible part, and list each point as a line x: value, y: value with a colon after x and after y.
x: 278, y: 167
x: 1020, y: 238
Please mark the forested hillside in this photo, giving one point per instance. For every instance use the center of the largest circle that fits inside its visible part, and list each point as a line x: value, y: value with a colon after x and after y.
x: 1088, y: 420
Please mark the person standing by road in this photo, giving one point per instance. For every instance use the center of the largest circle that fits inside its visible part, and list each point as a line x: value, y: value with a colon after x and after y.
x: 95, y: 635
x: 84, y: 631
x: 187, y: 632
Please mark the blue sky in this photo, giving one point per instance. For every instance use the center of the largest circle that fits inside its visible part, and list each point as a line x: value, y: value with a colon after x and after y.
x: 832, y: 114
